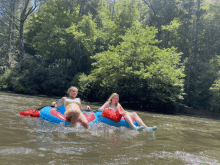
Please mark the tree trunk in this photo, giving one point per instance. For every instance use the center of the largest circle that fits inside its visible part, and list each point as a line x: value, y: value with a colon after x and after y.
x: 21, y: 41
x: 113, y: 11
x: 11, y: 34
x: 197, y: 25
x: 9, y: 53
x: 82, y: 6
x: 187, y: 29
x: 24, y: 14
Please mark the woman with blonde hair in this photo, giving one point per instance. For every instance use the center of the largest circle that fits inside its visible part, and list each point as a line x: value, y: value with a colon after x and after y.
x: 72, y: 106
x: 113, y: 103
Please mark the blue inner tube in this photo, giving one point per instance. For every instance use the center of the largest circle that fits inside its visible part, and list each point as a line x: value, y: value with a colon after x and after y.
x: 56, y: 116
x: 123, y: 122
x: 53, y: 115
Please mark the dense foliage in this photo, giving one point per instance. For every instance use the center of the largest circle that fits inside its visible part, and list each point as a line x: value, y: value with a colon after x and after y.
x: 150, y: 52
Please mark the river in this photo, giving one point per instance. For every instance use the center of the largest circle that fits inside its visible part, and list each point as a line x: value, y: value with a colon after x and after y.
x: 178, y: 140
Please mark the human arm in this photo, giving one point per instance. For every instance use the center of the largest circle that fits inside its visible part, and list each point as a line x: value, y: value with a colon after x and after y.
x: 60, y: 102
x: 106, y: 105
x: 111, y: 114
x: 80, y: 105
x: 87, y: 107
x: 121, y: 109
x: 53, y: 103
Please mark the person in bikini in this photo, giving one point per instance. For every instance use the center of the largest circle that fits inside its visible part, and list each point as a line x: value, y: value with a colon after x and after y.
x: 113, y: 103
x: 72, y: 106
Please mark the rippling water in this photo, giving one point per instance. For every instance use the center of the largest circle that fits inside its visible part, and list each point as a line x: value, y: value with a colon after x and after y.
x: 178, y: 140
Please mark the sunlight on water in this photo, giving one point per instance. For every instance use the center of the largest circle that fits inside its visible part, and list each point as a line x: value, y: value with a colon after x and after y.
x: 17, y: 151
x: 185, y: 157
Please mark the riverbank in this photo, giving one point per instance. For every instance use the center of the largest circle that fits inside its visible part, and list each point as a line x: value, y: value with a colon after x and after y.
x: 200, y: 113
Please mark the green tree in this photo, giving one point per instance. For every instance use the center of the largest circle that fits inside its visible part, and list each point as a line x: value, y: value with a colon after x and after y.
x: 211, y: 45
x: 63, y: 38
x: 8, y: 13
x: 138, y: 70
x: 60, y: 42
x: 200, y: 70
x: 162, y: 12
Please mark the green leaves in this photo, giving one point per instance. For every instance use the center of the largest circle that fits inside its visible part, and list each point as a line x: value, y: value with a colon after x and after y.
x: 137, y: 63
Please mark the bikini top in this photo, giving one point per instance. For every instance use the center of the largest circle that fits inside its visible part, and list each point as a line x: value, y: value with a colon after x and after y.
x: 114, y: 108
x: 68, y: 101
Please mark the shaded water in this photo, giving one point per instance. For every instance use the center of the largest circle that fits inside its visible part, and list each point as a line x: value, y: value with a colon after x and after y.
x: 178, y: 140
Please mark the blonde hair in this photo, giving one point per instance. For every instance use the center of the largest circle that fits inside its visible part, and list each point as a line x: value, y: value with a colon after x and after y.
x: 110, y: 99
x: 72, y: 88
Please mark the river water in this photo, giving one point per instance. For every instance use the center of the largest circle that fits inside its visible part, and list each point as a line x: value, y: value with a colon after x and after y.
x: 178, y: 140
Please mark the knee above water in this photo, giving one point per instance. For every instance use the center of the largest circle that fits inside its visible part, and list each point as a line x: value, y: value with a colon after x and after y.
x: 125, y: 114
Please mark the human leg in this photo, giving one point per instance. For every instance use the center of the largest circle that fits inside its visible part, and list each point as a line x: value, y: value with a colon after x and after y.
x: 137, y: 118
x: 140, y: 121
x: 83, y: 121
x: 129, y: 120
x: 72, y: 116
x: 75, y: 118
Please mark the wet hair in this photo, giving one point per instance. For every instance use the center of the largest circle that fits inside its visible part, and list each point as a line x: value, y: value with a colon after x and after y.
x: 72, y: 88
x: 110, y: 98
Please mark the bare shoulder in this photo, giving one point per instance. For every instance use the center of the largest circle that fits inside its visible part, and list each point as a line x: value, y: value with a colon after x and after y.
x: 63, y: 98
x: 106, y: 104
x: 78, y: 99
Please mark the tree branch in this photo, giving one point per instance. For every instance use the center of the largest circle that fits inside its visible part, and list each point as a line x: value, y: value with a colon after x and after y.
x: 9, y: 18
x: 31, y: 10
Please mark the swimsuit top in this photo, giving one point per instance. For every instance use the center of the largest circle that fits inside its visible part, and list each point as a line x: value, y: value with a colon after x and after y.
x: 68, y: 101
x: 114, y: 108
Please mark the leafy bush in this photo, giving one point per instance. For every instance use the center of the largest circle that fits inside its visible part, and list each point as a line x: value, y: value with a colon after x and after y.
x: 139, y: 71
x: 4, y: 80
x: 215, y: 100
